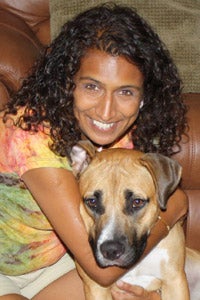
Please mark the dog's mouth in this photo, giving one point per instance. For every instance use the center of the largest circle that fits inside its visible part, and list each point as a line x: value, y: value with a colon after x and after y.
x: 118, y: 252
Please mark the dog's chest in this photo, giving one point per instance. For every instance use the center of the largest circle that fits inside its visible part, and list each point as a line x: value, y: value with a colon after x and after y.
x: 148, y: 273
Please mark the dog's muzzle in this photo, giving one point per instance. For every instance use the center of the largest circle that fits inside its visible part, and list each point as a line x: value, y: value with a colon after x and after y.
x: 118, y: 252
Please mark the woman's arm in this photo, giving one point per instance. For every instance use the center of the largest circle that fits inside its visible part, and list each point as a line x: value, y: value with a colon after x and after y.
x: 56, y: 192
x: 177, y: 209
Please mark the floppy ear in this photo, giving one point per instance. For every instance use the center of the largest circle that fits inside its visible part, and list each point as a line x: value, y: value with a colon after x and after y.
x: 81, y: 155
x: 166, y: 174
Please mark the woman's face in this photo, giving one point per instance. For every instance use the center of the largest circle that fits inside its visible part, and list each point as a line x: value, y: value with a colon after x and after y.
x: 107, y: 96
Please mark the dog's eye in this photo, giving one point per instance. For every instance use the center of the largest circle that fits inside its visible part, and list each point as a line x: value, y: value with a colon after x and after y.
x: 138, y: 203
x: 91, y: 202
x: 133, y: 202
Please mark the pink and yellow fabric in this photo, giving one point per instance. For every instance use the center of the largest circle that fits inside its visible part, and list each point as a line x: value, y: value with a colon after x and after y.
x: 27, y: 240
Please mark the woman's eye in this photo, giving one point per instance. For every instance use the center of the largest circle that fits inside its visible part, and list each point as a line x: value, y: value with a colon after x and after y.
x: 127, y: 93
x: 92, y: 87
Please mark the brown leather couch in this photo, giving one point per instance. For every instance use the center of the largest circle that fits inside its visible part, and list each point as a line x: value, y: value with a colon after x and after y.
x: 189, y: 158
x: 25, y: 29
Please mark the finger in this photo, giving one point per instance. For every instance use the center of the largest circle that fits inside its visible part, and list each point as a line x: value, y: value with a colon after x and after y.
x: 132, y: 289
x: 122, y: 295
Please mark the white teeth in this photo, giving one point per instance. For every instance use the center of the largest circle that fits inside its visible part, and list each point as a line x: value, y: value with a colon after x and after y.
x: 103, y: 126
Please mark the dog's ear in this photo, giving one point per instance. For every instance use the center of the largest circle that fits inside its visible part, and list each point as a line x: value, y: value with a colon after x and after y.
x: 166, y: 174
x: 81, y: 155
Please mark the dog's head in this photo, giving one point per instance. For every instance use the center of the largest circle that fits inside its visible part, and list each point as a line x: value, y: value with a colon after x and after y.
x: 123, y: 191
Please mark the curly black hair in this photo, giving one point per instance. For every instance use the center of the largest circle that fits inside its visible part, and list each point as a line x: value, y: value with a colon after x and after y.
x: 47, y: 94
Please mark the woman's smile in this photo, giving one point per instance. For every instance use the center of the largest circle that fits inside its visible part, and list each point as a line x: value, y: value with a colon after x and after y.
x: 103, y: 126
x: 107, y: 96
x: 101, y: 129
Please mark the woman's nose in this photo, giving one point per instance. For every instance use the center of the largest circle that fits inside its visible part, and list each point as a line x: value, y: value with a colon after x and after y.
x: 106, y: 108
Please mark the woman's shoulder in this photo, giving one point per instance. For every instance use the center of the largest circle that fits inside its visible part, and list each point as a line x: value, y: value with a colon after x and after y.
x: 22, y: 150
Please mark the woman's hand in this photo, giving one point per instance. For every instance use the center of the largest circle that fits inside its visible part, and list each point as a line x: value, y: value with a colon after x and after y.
x: 125, y: 291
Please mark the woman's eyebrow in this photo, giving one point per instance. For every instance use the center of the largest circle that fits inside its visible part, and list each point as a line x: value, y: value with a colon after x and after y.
x: 139, y: 88
x: 89, y: 78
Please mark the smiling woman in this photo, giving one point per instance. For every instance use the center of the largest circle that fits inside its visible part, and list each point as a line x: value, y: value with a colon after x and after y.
x: 107, y: 96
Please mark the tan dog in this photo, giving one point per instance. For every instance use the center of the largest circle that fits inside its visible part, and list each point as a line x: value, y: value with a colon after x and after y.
x: 123, y: 192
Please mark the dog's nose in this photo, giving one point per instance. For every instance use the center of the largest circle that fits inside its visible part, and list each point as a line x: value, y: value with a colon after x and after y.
x: 112, y: 250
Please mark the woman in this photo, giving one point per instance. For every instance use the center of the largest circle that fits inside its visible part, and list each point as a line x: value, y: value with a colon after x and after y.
x: 107, y: 77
